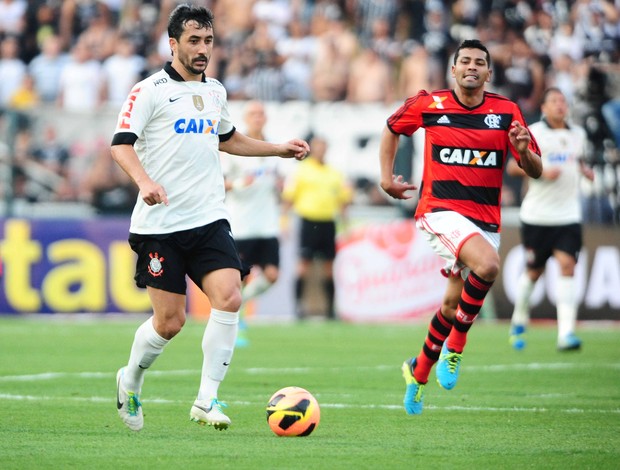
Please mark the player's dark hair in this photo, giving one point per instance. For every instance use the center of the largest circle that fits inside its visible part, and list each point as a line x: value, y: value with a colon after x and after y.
x: 548, y: 91
x: 472, y: 44
x: 184, y: 13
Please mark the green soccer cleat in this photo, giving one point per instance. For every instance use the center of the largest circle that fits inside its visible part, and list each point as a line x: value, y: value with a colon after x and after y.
x: 414, y: 394
x: 448, y: 368
x: 128, y: 405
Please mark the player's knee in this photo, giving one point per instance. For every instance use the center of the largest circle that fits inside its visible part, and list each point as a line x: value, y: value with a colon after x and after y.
x: 229, y: 301
x: 488, y: 269
x: 170, y: 326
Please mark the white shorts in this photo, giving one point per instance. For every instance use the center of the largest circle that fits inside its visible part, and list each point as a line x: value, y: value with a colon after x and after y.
x: 447, y: 231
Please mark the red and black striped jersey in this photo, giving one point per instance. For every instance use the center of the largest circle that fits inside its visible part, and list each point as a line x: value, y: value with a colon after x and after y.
x: 465, y: 150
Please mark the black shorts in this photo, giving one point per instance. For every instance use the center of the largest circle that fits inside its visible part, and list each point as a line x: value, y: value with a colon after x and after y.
x: 165, y: 259
x: 541, y: 241
x: 317, y: 240
x: 259, y: 251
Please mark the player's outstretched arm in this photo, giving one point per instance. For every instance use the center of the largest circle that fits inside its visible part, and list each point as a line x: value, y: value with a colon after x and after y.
x: 394, y: 185
x: 244, y: 146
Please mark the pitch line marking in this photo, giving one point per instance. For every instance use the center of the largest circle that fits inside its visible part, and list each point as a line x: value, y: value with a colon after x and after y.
x: 163, y: 401
x: 304, y: 370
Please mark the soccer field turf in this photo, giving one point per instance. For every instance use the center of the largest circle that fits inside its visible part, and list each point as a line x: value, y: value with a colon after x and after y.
x: 536, y: 408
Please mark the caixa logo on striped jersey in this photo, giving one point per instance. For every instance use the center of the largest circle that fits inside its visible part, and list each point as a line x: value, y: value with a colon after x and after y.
x: 196, y: 126
x: 468, y: 157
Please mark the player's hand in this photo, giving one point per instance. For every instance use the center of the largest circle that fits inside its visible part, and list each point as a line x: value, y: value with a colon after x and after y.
x: 551, y: 174
x: 397, y: 187
x: 519, y: 136
x: 153, y: 193
x: 295, y: 148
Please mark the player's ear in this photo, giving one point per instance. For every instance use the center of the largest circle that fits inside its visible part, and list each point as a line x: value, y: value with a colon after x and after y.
x: 173, y: 45
x: 489, y: 75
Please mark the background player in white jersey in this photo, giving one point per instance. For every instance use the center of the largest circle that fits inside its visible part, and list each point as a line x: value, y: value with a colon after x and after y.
x: 167, y: 139
x: 253, y: 188
x: 551, y: 218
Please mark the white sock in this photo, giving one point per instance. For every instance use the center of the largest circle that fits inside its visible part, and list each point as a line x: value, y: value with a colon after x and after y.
x: 521, y: 312
x: 147, y: 346
x: 255, y: 287
x: 566, y: 306
x: 218, y: 343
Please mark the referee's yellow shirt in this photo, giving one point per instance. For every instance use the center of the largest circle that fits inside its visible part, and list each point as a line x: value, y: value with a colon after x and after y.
x: 317, y: 192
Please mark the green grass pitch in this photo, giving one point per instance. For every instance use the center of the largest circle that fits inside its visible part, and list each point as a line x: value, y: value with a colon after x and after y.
x: 536, y: 408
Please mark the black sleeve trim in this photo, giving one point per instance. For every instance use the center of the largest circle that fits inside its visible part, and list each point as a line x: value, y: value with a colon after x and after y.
x: 225, y: 137
x: 123, y: 138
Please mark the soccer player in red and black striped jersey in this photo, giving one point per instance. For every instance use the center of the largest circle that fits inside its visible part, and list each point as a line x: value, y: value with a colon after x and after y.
x: 469, y: 135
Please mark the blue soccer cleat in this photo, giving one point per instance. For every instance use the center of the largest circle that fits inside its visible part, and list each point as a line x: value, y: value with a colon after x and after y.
x: 517, y: 337
x: 414, y: 394
x: 569, y: 343
x: 448, y: 368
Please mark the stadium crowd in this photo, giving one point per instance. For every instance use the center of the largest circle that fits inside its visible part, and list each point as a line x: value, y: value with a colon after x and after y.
x: 84, y: 55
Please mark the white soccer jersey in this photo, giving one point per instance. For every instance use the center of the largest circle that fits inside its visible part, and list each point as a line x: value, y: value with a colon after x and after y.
x: 254, y: 209
x: 178, y: 123
x: 556, y: 202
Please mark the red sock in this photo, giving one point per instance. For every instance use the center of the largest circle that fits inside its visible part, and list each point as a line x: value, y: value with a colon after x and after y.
x: 438, y: 330
x: 474, y: 291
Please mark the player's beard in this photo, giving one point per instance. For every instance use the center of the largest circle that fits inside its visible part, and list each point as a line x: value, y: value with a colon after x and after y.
x: 188, y: 64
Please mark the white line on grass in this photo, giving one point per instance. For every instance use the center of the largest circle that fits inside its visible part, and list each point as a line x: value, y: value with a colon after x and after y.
x: 535, y: 366
x: 163, y: 401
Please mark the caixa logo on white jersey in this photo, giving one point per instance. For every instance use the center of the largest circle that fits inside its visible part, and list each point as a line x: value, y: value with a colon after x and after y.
x: 468, y: 157
x: 196, y: 126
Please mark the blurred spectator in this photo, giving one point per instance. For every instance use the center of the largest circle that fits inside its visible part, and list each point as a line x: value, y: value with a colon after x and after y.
x: 121, y: 71
x: 12, y: 69
x: 80, y: 81
x: 566, y: 75
x: 105, y: 186
x: 12, y: 16
x: 370, y: 80
x: 100, y: 34
x: 235, y: 25
x: 383, y: 44
x: 596, y: 24
x: 524, y: 79
x: 46, y: 68
x: 436, y: 40
x: 41, y: 20
x: 40, y: 171
x: 137, y: 21
x: 276, y: 14
x: 539, y: 34
x: 25, y: 98
x: 367, y: 11
x: 414, y: 73
x: 336, y: 47
x: 565, y: 42
x: 297, y: 53
x: 74, y: 18
x: 265, y: 82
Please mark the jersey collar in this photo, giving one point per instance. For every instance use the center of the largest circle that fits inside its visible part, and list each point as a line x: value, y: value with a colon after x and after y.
x: 175, y: 75
x: 544, y: 119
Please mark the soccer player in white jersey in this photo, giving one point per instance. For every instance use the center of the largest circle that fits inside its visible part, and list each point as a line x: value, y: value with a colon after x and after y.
x: 167, y: 139
x: 551, y: 218
x: 253, y: 187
